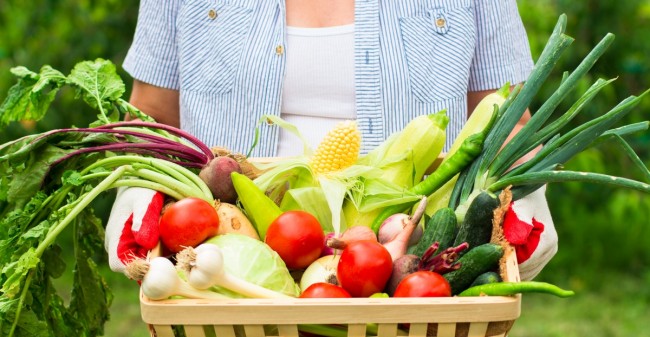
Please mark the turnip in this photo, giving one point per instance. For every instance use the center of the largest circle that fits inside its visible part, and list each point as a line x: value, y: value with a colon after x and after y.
x: 217, y: 176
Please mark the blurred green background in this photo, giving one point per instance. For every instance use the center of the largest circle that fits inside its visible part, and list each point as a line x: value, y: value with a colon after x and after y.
x: 604, y: 232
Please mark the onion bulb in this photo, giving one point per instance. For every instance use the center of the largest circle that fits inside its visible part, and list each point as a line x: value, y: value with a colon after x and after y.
x: 321, y: 270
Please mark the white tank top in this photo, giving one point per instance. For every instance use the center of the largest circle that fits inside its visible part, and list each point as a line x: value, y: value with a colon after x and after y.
x: 318, y: 87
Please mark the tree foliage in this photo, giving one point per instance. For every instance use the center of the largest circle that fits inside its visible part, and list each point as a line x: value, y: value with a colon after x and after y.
x: 61, y: 34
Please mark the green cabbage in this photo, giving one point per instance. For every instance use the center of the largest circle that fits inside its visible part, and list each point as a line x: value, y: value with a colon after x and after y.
x: 254, y: 261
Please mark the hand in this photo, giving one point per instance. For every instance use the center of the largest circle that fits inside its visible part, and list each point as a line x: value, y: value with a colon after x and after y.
x: 528, y: 226
x: 132, y: 228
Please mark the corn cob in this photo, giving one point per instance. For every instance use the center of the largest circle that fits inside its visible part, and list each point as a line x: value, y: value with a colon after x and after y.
x: 338, y: 150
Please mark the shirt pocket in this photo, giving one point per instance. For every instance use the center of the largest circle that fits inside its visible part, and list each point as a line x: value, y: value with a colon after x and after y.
x: 211, y: 36
x: 439, y: 47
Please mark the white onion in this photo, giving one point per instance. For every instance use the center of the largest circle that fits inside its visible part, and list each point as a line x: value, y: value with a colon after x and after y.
x: 321, y: 270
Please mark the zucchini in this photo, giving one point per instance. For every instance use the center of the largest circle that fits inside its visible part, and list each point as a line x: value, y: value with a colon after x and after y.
x: 440, y: 228
x: 476, y: 227
x: 486, y: 278
x: 475, y: 262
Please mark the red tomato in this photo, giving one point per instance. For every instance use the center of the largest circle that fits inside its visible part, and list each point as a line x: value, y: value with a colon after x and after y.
x: 324, y: 290
x: 297, y: 237
x: 364, y: 268
x: 188, y: 222
x: 423, y: 283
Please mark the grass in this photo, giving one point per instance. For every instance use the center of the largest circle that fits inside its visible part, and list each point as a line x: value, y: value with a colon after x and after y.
x: 616, y: 305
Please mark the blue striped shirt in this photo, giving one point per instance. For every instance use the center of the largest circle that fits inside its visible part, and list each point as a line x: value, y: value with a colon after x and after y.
x: 412, y: 57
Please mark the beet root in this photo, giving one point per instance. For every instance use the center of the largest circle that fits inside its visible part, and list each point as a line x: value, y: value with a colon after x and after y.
x: 217, y: 176
x: 402, y: 267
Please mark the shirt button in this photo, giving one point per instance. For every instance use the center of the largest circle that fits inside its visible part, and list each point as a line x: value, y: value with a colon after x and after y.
x: 212, y: 14
x: 279, y: 50
x: 440, y: 22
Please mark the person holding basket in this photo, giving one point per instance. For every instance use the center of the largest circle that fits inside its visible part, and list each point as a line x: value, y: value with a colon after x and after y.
x: 213, y: 68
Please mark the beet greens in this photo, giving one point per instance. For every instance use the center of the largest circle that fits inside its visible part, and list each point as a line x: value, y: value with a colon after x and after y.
x: 49, y: 181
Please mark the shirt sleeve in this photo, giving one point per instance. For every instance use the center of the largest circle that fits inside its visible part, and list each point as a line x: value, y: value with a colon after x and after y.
x: 153, y: 56
x: 502, y: 50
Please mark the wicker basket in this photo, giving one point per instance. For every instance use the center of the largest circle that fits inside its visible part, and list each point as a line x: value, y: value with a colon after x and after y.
x: 442, y: 317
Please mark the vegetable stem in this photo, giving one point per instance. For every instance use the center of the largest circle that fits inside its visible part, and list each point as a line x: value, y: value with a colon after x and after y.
x: 81, y: 204
x: 164, y: 149
x: 185, y: 190
x: 183, y: 175
x: 148, y: 184
x: 540, y: 178
x: 175, y: 131
x: 511, y: 151
x: 21, y: 300
x: 171, y: 169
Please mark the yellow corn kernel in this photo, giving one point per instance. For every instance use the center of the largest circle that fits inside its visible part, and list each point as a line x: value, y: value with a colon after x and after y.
x: 338, y: 150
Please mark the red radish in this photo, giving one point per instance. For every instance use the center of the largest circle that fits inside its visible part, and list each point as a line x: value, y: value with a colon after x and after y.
x: 297, y: 237
x: 217, y: 176
x: 364, y: 268
x: 399, y: 244
x: 423, y: 284
x: 187, y: 223
x: 324, y: 290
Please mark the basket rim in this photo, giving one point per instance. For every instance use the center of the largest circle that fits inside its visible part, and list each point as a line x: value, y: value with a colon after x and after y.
x: 327, y: 311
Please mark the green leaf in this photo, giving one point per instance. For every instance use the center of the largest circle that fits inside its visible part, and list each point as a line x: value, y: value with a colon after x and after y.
x: 55, y: 263
x: 28, y: 179
x: 22, y: 72
x: 17, y: 271
x: 14, y: 224
x: 99, y: 85
x: 312, y: 200
x: 30, y: 98
x: 73, y: 178
x: 28, y: 323
x: 335, y: 191
x: 61, y: 321
x: 91, y: 297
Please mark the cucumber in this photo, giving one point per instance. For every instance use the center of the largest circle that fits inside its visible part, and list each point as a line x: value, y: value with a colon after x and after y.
x: 476, y: 227
x: 475, y: 262
x: 486, y: 278
x: 440, y: 228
